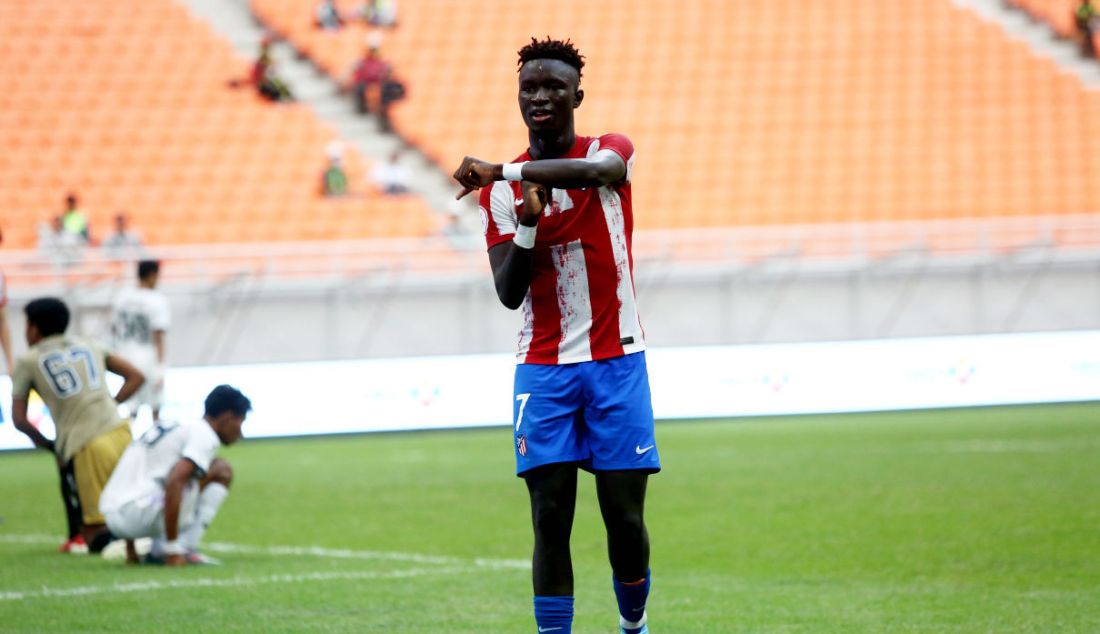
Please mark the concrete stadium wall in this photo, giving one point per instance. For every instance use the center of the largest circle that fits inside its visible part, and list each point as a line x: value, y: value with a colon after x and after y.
x: 258, y: 321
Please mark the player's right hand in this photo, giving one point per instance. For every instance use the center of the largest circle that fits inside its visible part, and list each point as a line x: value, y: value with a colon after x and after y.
x: 174, y: 560
x: 475, y: 173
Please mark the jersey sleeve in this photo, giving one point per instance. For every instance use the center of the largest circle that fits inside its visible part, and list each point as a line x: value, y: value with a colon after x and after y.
x: 498, y: 213
x: 100, y: 350
x: 22, y: 378
x: 621, y: 145
x: 200, y: 448
x: 160, y: 314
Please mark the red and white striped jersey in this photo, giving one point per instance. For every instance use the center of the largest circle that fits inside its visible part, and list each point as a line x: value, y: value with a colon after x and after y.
x: 581, y: 305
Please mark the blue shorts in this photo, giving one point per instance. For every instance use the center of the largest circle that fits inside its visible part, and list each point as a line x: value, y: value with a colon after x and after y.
x: 596, y: 413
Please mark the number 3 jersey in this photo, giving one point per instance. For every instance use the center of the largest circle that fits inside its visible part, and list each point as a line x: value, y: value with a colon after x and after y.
x: 580, y: 306
x: 143, y: 470
x: 69, y: 374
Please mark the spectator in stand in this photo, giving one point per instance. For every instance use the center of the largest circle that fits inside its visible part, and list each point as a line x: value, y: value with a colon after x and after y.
x: 328, y: 16
x: 392, y: 91
x: 60, y: 245
x: 334, y: 180
x: 381, y: 13
x: 391, y: 177
x: 367, y: 73
x: 50, y: 234
x: 265, y: 78
x: 124, y: 242
x: 74, y: 220
x: 1086, y: 18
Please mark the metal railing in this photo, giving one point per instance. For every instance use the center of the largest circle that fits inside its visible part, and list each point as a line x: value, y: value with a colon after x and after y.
x: 443, y: 257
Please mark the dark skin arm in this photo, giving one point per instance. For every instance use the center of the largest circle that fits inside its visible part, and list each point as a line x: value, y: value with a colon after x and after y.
x: 19, y: 418
x: 512, y: 265
x: 178, y: 478
x: 604, y: 168
x: 132, y: 376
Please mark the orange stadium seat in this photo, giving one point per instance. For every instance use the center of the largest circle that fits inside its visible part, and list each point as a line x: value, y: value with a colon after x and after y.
x: 756, y: 112
x: 126, y: 102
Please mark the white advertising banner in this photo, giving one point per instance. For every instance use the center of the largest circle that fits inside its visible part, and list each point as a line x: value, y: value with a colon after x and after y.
x: 293, y: 399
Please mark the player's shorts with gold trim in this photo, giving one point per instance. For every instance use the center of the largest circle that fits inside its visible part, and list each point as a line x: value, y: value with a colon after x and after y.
x: 93, y: 465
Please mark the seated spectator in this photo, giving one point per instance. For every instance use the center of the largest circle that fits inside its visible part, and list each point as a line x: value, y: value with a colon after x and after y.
x: 334, y: 180
x: 1086, y: 18
x: 328, y: 16
x: 392, y: 91
x: 367, y: 73
x: 124, y: 242
x: 58, y: 244
x: 391, y: 177
x: 381, y: 13
x: 75, y: 221
x: 264, y: 77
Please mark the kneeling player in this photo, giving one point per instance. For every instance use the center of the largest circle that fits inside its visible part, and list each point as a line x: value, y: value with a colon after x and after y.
x: 169, y: 485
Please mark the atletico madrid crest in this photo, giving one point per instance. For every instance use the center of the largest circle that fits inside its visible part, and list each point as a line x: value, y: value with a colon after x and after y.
x: 521, y: 444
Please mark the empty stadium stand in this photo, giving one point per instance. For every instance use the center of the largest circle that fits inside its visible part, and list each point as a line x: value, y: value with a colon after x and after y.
x: 757, y: 113
x: 127, y: 103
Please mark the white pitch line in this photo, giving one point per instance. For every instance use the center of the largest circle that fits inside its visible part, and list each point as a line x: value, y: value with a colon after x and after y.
x: 1000, y: 446
x: 339, y: 553
x: 213, y: 582
x: 317, y: 551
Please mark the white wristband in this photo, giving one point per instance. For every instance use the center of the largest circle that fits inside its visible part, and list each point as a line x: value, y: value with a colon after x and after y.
x: 173, y: 548
x: 513, y: 171
x: 525, y: 236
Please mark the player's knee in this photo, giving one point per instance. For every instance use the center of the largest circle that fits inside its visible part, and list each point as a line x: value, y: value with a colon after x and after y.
x: 221, y: 472
x: 629, y: 523
x: 551, y: 518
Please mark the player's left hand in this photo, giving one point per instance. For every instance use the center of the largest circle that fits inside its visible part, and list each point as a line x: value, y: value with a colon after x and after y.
x: 475, y: 173
x: 535, y: 197
x: 174, y: 560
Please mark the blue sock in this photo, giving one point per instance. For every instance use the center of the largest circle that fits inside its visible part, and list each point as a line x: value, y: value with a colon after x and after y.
x: 554, y: 614
x: 632, y: 600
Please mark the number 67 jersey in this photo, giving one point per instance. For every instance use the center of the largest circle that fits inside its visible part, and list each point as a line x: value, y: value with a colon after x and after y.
x: 68, y: 373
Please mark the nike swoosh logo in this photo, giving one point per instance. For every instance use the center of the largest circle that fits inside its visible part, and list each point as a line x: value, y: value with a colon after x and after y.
x: 519, y: 202
x: 548, y: 629
x: 641, y: 450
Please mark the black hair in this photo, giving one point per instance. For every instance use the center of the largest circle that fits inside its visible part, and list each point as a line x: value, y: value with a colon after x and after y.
x: 564, y: 51
x: 49, y: 314
x: 147, y: 268
x: 225, y: 398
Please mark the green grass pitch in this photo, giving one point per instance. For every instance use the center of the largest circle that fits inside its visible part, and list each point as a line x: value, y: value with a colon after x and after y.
x: 981, y: 520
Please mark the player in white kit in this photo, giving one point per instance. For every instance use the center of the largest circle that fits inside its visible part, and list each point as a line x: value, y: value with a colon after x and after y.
x: 141, y: 318
x: 169, y: 485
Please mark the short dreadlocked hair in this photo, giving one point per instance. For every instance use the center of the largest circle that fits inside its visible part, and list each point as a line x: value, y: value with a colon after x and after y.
x: 564, y: 51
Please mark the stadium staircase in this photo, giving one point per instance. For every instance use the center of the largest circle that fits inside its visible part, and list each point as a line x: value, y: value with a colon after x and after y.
x: 1057, y: 14
x: 1044, y: 25
x: 321, y: 92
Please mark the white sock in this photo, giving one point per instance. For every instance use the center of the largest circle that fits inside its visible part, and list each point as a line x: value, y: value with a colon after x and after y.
x: 632, y: 625
x: 210, y: 500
